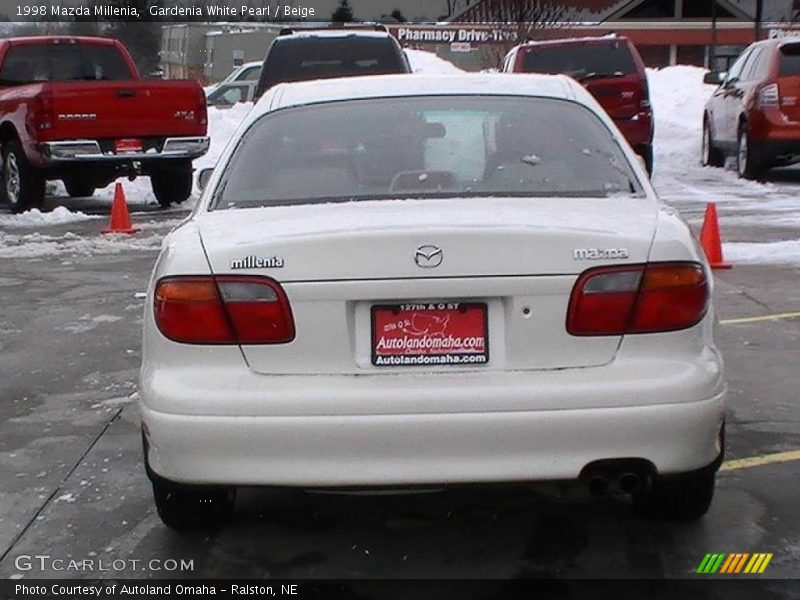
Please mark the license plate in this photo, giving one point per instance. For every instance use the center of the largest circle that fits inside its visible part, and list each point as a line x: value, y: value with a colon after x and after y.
x: 430, y: 334
x: 128, y: 146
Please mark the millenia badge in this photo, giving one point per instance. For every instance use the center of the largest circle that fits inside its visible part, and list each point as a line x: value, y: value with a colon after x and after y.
x: 735, y: 563
x: 257, y: 262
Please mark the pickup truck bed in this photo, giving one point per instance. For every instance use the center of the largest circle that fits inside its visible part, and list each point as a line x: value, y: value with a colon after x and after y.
x: 75, y: 108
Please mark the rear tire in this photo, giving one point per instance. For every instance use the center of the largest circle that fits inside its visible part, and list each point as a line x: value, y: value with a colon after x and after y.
x: 749, y: 163
x: 711, y: 156
x: 78, y: 188
x: 172, y: 184
x: 684, y: 497
x: 23, y: 184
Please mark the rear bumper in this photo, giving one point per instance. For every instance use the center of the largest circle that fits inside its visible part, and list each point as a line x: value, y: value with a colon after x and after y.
x: 561, y: 421
x: 88, y: 151
x: 387, y: 450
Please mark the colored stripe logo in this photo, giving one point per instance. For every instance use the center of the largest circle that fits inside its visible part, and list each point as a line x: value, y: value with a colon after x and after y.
x: 734, y: 563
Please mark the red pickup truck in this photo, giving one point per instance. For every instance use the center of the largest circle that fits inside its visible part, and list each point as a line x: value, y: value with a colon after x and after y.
x: 76, y: 109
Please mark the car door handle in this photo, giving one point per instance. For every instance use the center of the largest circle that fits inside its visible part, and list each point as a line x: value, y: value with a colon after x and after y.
x: 126, y: 93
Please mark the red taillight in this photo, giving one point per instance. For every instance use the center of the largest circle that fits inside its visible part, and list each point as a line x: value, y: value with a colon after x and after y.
x: 769, y: 96
x: 42, y: 114
x: 202, y: 109
x: 638, y: 299
x: 225, y: 309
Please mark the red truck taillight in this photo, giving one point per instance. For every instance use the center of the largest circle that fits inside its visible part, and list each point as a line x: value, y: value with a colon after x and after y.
x: 647, y: 298
x: 225, y: 309
x: 42, y: 113
x: 202, y: 108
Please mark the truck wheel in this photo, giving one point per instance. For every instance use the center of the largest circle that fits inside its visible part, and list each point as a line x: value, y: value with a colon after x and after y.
x: 23, y: 184
x: 78, y: 187
x: 677, y: 498
x: 172, y: 185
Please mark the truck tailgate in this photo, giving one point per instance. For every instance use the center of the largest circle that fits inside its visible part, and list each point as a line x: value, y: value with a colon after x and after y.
x: 108, y: 109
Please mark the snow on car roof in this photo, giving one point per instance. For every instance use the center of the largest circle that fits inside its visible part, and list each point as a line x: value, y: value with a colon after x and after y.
x: 380, y: 86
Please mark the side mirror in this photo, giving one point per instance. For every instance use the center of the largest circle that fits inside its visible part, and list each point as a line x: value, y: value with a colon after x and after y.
x: 714, y: 78
x: 203, y: 177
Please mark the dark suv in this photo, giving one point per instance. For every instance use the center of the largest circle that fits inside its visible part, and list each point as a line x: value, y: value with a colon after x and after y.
x: 754, y: 114
x: 610, y: 68
x: 304, y: 54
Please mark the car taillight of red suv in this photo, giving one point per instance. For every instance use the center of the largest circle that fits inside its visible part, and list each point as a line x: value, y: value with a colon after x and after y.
x: 610, y: 68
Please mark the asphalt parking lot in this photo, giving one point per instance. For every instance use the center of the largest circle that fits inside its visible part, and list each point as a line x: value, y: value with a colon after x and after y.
x: 72, y: 483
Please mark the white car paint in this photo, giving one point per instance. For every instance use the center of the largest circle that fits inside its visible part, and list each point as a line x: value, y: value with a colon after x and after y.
x: 316, y: 412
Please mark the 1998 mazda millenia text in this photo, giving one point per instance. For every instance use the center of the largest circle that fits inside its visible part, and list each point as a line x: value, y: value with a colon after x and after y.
x: 429, y: 323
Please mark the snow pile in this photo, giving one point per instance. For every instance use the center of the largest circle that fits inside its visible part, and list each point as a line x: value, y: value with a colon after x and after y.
x: 678, y: 95
x: 37, y: 218
x: 37, y: 245
x: 222, y: 124
x: 784, y: 252
x: 429, y: 63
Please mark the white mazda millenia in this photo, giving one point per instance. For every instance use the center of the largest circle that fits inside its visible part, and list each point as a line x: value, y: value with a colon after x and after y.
x: 418, y: 281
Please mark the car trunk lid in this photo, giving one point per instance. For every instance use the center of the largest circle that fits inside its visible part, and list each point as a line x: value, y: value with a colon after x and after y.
x: 516, y: 260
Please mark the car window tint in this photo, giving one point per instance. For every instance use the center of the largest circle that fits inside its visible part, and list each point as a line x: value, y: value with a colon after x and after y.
x: 425, y: 147
x: 321, y: 58
x: 790, y: 60
x: 580, y: 61
x: 63, y: 62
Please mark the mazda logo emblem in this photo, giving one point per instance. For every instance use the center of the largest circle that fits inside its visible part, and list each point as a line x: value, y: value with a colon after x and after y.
x: 428, y: 257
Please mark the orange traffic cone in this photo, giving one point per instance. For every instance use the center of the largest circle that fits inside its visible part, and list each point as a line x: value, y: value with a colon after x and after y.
x: 710, y: 239
x: 120, y: 221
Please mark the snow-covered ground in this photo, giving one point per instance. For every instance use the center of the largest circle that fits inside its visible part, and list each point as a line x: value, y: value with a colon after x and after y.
x: 428, y: 63
x: 678, y: 95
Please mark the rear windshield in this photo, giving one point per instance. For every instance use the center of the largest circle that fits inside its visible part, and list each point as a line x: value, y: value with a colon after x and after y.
x: 580, y: 61
x: 790, y: 59
x: 425, y: 147
x: 63, y: 62
x: 322, y: 58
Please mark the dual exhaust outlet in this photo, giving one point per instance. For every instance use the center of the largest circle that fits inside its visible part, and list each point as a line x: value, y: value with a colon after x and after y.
x: 617, y: 476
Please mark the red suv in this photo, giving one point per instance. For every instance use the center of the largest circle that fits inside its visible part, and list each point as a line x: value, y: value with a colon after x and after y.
x: 754, y: 114
x: 610, y: 68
